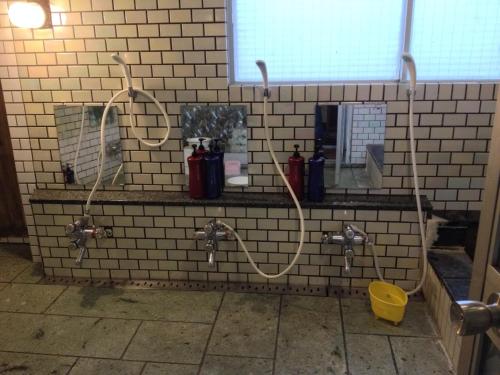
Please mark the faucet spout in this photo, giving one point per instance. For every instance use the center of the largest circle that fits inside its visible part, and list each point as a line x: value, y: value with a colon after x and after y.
x: 81, y: 254
x: 212, y: 233
x: 348, y: 258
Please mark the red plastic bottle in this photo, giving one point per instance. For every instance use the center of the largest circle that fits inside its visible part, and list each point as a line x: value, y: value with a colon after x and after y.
x: 296, y: 173
x: 196, y: 180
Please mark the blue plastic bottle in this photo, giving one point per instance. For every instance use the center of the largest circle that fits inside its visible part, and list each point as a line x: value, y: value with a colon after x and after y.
x: 316, y: 179
x: 212, y: 175
x: 218, y: 152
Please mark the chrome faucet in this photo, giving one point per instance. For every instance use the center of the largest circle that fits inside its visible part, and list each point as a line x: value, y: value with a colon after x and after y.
x: 79, y: 232
x: 212, y: 233
x: 350, y: 237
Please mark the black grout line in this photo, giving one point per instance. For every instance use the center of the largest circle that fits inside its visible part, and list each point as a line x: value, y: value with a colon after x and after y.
x: 392, y: 355
x: 55, y: 299
x: 277, y: 335
x: 132, y: 338
x: 95, y: 357
x: 73, y: 365
x: 102, y: 317
x: 143, y: 368
x: 211, y: 332
x: 238, y: 356
x: 343, y: 335
x: 391, y: 335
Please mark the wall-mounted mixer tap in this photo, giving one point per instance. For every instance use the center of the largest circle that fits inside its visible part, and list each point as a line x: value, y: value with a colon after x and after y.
x: 79, y: 232
x: 212, y: 233
x: 350, y: 237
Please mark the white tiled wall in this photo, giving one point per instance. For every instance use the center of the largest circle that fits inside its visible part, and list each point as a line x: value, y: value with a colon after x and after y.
x: 368, y: 128
x: 178, y: 50
x: 157, y: 242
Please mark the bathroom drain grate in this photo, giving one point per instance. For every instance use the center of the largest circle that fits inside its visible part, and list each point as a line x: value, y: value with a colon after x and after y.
x: 332, y: 291
x: 190, y: 285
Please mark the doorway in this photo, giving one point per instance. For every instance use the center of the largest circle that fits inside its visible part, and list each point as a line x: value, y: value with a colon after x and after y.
x: 11, y: 210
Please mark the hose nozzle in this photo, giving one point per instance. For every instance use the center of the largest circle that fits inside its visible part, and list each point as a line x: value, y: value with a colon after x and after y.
x: 126, y: 72
x: 263, y: 70
x: 412, y: 71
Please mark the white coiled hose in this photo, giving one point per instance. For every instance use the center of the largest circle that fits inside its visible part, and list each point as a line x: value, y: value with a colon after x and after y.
x: 411, y: 95
x: 290, y: 190
x: 130, y: 90
x: 79, y: 145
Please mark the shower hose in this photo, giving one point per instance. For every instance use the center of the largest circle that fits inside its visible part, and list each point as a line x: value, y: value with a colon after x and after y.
x: 78, y: 146
x: 295, y: 200
x: 101, y: 160
x: 411, y: 94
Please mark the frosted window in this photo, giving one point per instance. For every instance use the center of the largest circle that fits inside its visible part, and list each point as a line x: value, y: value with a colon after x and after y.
x: 317, y: 40
x: 456, y: 39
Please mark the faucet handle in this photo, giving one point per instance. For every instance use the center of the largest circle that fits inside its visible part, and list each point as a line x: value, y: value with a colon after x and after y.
x: 73, y: 245
x: 70, y: 228
x: 100, y: 233
x: 200, y: 235
x: 325, y: 237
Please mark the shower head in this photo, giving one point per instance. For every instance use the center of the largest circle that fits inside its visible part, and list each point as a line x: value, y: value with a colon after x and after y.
x: 126, y: 72
x: 412, y: 70
x: 263, y: 70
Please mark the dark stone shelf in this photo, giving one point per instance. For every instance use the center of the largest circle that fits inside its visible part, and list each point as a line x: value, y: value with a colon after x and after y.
x: 274, y: 200
x: 454, y: 270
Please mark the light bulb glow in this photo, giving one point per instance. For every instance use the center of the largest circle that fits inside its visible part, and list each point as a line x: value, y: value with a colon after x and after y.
x: 27, y: 15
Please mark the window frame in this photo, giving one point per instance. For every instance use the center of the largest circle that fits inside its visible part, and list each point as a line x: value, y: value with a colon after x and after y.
x: 405, y: 42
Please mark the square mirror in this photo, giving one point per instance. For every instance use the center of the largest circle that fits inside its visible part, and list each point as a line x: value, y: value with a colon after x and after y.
x: 79, y: 134
x: 352, y: 137
x: 226, y: 125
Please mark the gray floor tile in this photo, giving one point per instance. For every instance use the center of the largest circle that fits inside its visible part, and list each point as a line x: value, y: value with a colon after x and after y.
x: 169, y: 342
x: 170, y: 369
x: 62, y: 335
x: 87, y: 366
x: 28, y: 297
x: 3, y: 285
x: 417, y: 355
x: 359, y: 318
x: 15, y: 250
x: 30, y: 275
x: 369, y: 354
x: 246, y: 325
x: 169, y: 305
x: 11, y: 266
x: 34, y: 364
x: 310, y: 337
x: 222, y: 365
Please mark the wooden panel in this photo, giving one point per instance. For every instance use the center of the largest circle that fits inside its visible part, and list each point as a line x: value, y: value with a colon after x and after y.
x: 11, y: 210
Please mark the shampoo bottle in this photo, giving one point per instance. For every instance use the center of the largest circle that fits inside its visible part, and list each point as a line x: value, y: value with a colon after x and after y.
x: 316, y: 179
x: 196, y: 178
x: 296, y: 173
x: 218, y: 151
x: 212, y: 175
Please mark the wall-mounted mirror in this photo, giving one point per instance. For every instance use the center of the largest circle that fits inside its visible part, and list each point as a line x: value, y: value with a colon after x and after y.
x: 79, y: 133
x: 228, y: 125
x: 352, y: 136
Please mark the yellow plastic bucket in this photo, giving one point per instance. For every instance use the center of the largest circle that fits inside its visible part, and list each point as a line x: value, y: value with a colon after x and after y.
x: 388, y: 301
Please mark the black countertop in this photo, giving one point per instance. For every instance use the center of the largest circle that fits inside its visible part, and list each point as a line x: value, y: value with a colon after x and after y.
x: 337, y: 201
x: 454, y: 269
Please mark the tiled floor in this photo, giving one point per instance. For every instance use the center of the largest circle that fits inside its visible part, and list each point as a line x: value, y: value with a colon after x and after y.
x: 50, y: 329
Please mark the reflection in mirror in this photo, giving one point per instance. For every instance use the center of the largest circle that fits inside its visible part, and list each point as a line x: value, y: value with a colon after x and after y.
x: 228, y: 125
x: 79, y: 134
x: 352, y: 137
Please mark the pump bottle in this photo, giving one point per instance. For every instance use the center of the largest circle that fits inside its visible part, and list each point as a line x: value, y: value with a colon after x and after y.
x: 296, y: 173
x: 196, y: 178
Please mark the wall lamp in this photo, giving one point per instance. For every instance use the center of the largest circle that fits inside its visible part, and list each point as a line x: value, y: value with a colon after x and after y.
x: 32, y: 14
